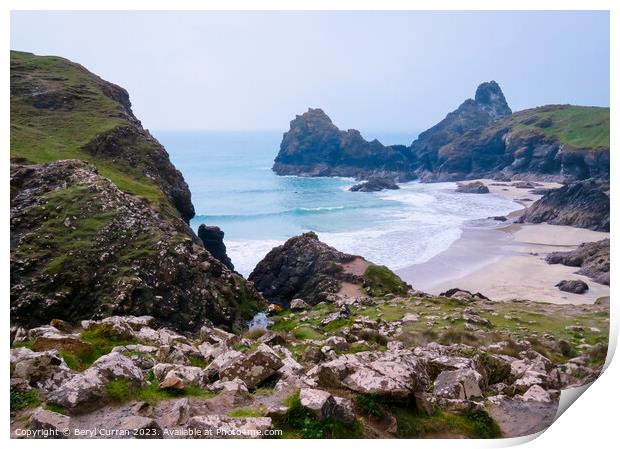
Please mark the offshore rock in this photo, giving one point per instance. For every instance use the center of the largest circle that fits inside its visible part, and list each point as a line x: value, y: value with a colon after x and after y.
x: 213, y: 240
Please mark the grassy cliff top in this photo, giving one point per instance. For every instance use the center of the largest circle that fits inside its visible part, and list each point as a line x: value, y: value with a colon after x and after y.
x: 60, y: 110
x: 574, y: 126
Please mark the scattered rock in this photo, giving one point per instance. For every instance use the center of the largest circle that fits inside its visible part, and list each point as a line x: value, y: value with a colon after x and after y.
x: 472, y: 187
x: 573, y: 286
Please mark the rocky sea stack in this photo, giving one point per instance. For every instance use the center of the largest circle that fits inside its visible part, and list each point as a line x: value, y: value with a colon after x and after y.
x: 213, y: 240
x: 481, y: 138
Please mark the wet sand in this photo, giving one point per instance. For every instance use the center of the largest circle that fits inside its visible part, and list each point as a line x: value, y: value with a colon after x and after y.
x: 507, y: 262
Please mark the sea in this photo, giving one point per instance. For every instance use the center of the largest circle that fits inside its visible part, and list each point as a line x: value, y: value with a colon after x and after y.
x: 233, y: 187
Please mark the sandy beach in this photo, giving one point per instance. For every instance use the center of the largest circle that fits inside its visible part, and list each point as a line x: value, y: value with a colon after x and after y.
x: 508, y: 261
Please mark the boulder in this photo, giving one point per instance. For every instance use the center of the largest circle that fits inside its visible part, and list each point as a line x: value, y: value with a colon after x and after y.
x: 87, y: 390
x: 573, y: 286
x: 375, y: 184
x: 397, y: 374
x: 463, y: 383
x: 472, y: 187
x: 52, y: 424
x: 517, y: 418
x: 44, y: 370
x: 537, y: 394
x: 215, y: 426
x: 142, y: 427
x: 252, y: 368
x: 61, y: 342
x: 299, y: 304
x: 178, y: 375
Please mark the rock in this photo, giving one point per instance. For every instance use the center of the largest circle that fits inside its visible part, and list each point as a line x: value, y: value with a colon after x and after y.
x: 213, y: 240
x: 303, y: 268
x: 462, y: 294
x: 582, y: 204
x: 537, y: 394
x: 87, y: 390
x: 52, y: 424
x: 178, y: 414
x: 458, y: 384
x: 162, y: 254
x: 180, y: 376
x: 472, y: 187
x: 338, y: 343
x: 252, y: 368
x: 314, y: 146
x: 375, y: 184
x: 214, y: 426
x: 524, y: 185
x: 396, y: 374
x: 591, y: 257
x: 299, y: 304
x: 425, y: 402
x: 313, y: 354
x: 62, y: 326
x: 573, y: 286
x: 44, y: 370
x: 142, y: 427
x: 518, y: 418
x: 315, y: 400
x: 172, y: 383
x: 61, y: 342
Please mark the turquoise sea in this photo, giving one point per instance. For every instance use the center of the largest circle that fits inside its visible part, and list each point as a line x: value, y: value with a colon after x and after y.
x: 232, y: 185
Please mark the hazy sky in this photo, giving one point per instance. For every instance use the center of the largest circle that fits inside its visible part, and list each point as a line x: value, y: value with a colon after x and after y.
x: 374, y: 71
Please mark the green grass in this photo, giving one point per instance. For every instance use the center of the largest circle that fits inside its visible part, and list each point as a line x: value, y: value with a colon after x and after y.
x: 307, y: 333
x: 56, y: 409
x: 574, y: 126
x: 22, y: 400
x: 101, y: 343
x: 416, y: 424
x: 383, y: 281
x: 370, y: 405
x: 121, y: 391
x: 43, y: 134
x: 299, y: 422
x: 247, y: 412
x: 195, y: 360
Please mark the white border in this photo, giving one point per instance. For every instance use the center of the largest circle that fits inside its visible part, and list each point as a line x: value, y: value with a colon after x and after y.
x: 591, y: 423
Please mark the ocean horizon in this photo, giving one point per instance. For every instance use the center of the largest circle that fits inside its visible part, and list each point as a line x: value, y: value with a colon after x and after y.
x: 233, y: 187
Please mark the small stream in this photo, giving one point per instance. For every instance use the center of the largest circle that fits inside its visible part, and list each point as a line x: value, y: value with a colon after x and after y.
x: 260, y: 321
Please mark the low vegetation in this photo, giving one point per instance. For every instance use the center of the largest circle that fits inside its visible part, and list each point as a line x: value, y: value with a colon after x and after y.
x: 121, y: 391
x: 22, y: 400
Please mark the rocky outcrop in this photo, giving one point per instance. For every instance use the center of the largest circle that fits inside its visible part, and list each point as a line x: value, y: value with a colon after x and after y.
x: 303, y: 268
x: 591, y: 257
x: 81, y: 249
x: 314, y: 146
x: 487, y: 106
x: 583, y: 204
x: 481, y: 138
x: 375, y: 184
x: 213, y: 240
x: 51, y: 94
x: 472, y: 187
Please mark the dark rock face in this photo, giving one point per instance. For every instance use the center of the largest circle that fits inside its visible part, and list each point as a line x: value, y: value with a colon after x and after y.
x: 516, y: 145
x: 304, y: 268
x: 375, y: 184
x: 472, y: 187
x: 488, y: 106
x: 592, y: 258
x: 314, y: 146
x: 583, y: 204
x: 574, y: 286
x: 82, y: 249
x: 481, y: 138
x: 213, y: 240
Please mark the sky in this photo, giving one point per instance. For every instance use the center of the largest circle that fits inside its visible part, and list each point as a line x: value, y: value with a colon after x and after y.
x: 373, y: 71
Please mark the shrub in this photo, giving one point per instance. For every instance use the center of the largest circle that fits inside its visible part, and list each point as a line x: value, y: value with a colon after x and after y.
x: 21, y: 400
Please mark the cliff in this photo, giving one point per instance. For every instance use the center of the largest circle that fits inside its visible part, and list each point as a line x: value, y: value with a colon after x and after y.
x: 481, y: 138
x: 98, y: 211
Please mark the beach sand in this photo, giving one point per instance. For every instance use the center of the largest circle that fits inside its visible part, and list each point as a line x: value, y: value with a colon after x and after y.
x: 507, y: 262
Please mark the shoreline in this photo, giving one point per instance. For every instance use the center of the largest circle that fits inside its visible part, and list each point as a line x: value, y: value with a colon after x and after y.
x: 507, y: 262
